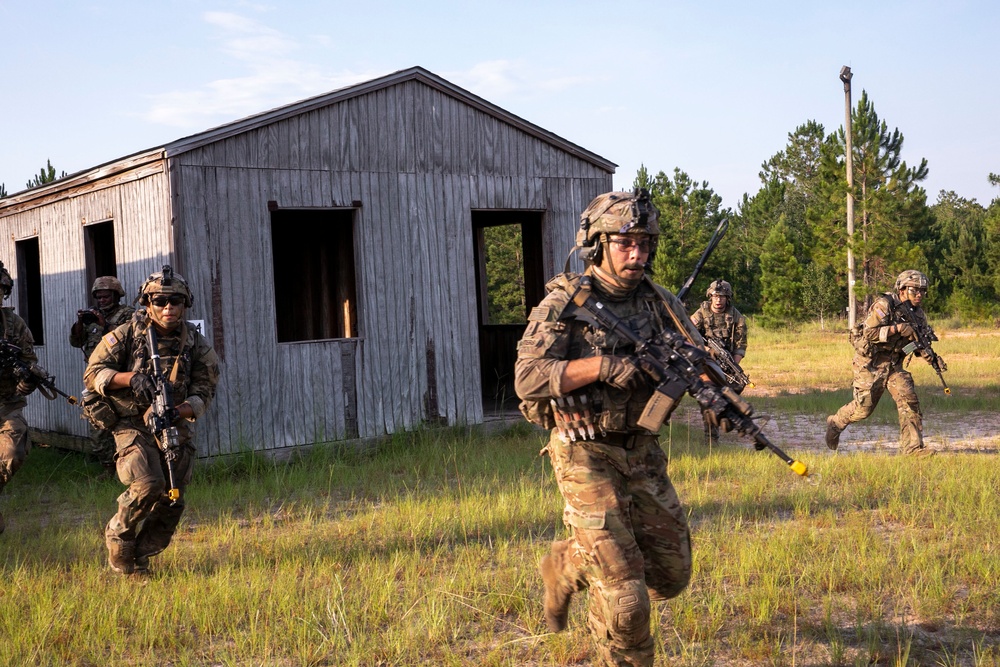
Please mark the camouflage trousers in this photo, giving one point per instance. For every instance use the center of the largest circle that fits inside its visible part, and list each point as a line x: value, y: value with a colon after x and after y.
x: 145, y: 514
x: 14, y: 441
x: 630, y: 542
x: 869, y: 386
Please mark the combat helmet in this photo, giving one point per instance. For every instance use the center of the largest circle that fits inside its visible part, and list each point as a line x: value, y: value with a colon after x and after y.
x: 616, y: 213
x: 109, y: 283
x: 6, y: 282
x: 721, y: 288
x: 165, y: 281
x: 911, y: 278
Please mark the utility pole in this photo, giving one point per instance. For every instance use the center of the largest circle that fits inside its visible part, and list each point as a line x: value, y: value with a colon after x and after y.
x: 852, y: 302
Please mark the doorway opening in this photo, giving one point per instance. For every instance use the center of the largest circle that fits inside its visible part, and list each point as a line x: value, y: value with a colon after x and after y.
x: 510, y: 281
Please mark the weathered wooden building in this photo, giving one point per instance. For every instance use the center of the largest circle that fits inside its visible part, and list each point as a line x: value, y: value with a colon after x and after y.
x: 335, y: 251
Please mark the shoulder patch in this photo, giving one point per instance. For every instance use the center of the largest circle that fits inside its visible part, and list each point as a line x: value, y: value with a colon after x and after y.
x: 110, y: 339
x: 540, y: 314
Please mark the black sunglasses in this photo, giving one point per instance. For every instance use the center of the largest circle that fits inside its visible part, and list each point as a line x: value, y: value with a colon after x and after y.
x: 173, y: 300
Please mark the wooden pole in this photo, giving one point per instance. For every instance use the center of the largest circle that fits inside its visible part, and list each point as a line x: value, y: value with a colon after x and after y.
x: 852, y: 303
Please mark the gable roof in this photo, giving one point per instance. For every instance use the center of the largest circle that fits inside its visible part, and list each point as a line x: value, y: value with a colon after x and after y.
x: 412, y: 74
x: 151, y: 158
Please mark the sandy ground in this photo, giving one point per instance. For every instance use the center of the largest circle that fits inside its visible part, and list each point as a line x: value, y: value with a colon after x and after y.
x: 945, y: 432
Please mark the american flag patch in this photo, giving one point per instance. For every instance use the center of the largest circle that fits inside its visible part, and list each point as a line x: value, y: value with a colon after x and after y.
x: 110, y: 339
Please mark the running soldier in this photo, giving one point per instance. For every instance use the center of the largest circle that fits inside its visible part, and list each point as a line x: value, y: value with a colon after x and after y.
x: 120, y: 372
x: 879, y: 346
x: 91, y: 324
x: 719, y: 319
x: 14, y: 441
x: 630, y: 543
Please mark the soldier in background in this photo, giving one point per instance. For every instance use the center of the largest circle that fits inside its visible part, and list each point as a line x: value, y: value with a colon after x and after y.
x: 14, y: 442
x: 119, y: 371
x: 630, y: 542
x: 718, y: 318
x: 86, y: 333
x: 879, y: 344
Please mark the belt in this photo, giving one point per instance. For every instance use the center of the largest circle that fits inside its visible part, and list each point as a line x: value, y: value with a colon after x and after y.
x: 626, y: 440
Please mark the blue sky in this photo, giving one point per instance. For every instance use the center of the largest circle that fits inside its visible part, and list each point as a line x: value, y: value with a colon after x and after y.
x: 711, y: 87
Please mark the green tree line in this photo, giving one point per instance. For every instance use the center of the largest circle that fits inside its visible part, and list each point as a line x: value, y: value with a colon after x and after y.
x: 786, y: 249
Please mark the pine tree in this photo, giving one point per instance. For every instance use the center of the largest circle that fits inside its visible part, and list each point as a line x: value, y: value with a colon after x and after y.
x: 46, y: 174
x: 781, y: 278
x: 891, y: 213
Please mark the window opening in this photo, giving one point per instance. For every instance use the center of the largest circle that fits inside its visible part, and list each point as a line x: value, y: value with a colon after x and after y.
x: 314, y: 274
x: 29, y: 286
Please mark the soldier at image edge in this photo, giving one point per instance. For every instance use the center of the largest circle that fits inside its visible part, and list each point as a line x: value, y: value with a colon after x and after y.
x: 718, y: 318
x: 120, y: 372
x: 14, y: 441
x: 879, y: 344
x: 90, y: 325
x: 629, y: 542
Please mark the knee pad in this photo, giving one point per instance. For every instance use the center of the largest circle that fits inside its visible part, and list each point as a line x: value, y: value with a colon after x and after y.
x: 627, y: 605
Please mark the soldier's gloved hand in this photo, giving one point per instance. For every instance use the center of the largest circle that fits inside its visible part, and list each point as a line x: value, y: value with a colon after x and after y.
x: 905, y: 330
x: 943, y: 367
x: 620, y: 372
x: 149, y: 418
x: 143, y: 388
x: 26, y: 386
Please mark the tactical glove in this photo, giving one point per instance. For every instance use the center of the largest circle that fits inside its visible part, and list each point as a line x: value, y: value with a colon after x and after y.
x: 26, y: 386
x: 149, y: 418
x: 905, y: 330
x: 620, y: 372
x: 143, y: 388
x: 941, y: 366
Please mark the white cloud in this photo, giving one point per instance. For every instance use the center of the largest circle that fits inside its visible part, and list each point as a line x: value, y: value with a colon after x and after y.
x: 274, y: 77
x: 495, y: 79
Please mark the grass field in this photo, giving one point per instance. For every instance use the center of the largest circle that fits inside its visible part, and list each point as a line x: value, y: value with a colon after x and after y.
x: 424, y: 550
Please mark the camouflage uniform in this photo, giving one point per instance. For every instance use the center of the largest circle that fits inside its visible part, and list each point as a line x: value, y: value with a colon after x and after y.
x: 14, y: 441
x: 146, y: 520
x: 878, y: 366
x: 630, y: 542
x: 729, y: 328
x: 87, y: 336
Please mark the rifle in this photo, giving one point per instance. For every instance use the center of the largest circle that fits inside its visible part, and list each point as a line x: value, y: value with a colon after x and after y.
x: 720, y: 231
x: 735, y: 376
x: 921, y: 343
x: 10, y: 359
x: 163, y: 414
x: 678, y: 367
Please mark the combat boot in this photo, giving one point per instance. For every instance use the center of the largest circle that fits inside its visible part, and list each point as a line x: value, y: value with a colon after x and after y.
x: 121, y: 554
x: 832, y: 433
x: 921, y: 452
x: 557, y: 593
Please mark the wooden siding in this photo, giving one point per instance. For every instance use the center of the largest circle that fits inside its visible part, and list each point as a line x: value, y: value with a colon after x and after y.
x: 138, y: 206
x: 419, y: 162
x: 414, y: 159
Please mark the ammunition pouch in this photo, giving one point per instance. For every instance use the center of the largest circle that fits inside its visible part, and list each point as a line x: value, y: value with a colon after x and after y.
x: 98, y: 411
x: 575, y: 417
x: 860, y: 344
x: 538, y: 413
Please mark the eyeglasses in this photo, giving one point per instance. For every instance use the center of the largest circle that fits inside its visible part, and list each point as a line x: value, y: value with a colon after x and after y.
x: 626, y: 244
x: 913, y: 291
x: 173, y: 300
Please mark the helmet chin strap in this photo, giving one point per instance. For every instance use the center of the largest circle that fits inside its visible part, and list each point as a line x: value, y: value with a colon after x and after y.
x: 611, y: 282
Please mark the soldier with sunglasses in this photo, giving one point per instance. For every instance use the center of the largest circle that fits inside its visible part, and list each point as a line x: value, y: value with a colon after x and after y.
x: 119, y: 371
x: 879, y: 344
